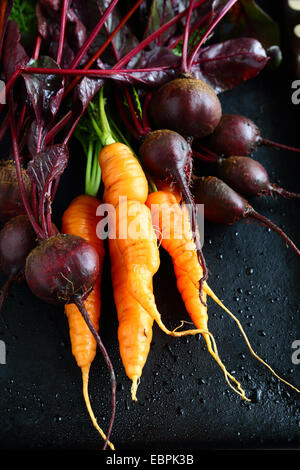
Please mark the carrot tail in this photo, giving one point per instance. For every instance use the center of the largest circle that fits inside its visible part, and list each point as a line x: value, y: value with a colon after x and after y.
x: 149, y: 305
x: 134, y: 386
x: 220, y: 303
x: 85, y: 380
x: 212, y: 349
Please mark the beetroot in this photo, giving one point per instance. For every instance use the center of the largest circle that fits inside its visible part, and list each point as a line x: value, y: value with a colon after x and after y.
x: 239, y: 136
x: 11, y: 203
x: 17, y: 239
x: 186, y: 105
x: 247, y: 176
x: 223, y: 205
x: 62, y: 269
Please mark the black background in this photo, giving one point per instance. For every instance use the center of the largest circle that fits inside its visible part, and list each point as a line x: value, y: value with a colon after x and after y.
x: 184, y: 403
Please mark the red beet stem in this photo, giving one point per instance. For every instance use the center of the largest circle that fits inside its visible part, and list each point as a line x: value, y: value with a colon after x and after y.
x: 283, y: 192
x: 98, y: 73
x: 28, y: 209
x: 184, y: 67
x: 270, y: 143
x: 35, y: 55
x: 81, y: 307
x: 192, y: 30
x: 86, y: 45
x: 251, y: 213
x: 37, y: 47
x: 58, y: 127
x: 121, y: 63
x: 208, y: 31
x: 194, y: 227
x: 62, y: 31
x: 104, y: 45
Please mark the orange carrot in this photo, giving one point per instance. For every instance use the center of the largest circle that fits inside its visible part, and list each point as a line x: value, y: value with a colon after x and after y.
x: 135, y: 324
x: 80, y: 219
x: 173, y: 228
x: 136, y: 256
x: 122, y: 174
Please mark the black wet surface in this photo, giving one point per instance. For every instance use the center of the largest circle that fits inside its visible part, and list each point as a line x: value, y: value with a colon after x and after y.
x: 184, y: 402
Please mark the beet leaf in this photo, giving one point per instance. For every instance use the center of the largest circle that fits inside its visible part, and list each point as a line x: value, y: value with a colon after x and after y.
x: 225, y: 65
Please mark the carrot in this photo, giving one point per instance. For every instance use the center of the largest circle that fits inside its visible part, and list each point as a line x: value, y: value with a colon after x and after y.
x: 122, y: 174
x: 135, y: 324
x: 135, y: 254
x: 172, y: 222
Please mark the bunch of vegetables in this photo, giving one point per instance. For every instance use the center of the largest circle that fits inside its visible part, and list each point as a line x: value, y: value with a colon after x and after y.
x: 141, y: 97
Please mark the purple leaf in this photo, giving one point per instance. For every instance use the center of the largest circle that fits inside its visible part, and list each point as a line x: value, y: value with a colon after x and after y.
x: 84, y: 93
x: 225, y: 65
x: 47, y: 166
x: 157, y: 57
x: 14, y: 54
x: 45, y: 91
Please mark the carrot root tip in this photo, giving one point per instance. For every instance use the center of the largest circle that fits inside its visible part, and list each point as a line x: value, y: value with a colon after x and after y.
x: 85, y: 380
x: 134, y: 387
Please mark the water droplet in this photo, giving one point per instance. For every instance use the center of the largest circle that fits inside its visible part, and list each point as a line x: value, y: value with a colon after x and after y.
x: 249, y: 271
x: 262, y: 333
x: 57, y: 419
x: 201, y: 381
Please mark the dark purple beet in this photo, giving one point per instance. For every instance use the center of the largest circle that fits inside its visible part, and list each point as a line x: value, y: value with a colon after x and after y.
x: 247, y: 176
x: 234, y: 135
x: 11, y: 203
x: 185, y: 105
x: 17, y: 239
x: 223, y: 205
x: 164, y: 153
x: 166, y: 156
x: 62, y: 269
x: 238, y: 135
